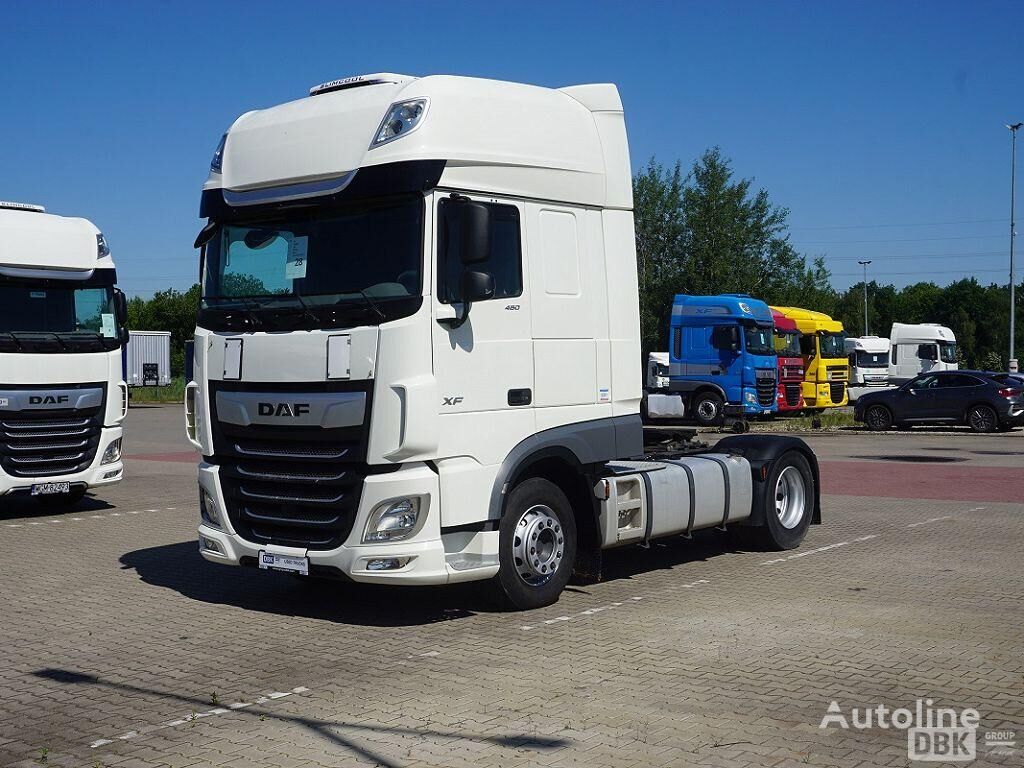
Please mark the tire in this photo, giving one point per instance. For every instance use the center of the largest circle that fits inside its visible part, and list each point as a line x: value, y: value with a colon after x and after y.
x: 878, y: 418
x: 62, y: 501
x: 537, y: 512
x: 788, y: 502
x: 982, y: 418
x: 708, y: 408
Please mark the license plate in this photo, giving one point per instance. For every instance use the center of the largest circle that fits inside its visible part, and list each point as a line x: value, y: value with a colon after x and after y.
x: 48, y: 489
x: 273, y: 562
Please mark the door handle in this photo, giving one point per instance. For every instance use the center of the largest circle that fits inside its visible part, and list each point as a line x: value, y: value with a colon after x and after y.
x: 520, y: 397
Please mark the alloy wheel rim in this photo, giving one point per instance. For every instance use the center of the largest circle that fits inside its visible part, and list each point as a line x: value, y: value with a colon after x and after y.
x: 538, y: 545
x: 790, y: 497
x: 877, y: 417
x: 707, y: 409
x: 982, y: 417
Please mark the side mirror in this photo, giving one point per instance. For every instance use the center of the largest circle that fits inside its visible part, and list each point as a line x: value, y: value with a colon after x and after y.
x: 477, y: 286
x: 120, y: 307
x: 474, y: 233
x: 734, y: 338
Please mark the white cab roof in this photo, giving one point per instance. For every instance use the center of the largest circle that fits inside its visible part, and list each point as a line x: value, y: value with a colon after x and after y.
x: 920, y: 333
x: 661, y: 358
x: 866, y: 344
x: 35, y: 240
x: 506, y: 138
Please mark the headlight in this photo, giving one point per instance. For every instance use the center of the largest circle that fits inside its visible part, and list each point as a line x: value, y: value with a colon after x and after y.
x: 113, y: 452
x: 218, y: 155
x: 401, y: 118
x: 750, y: 397
x: 393, y: 520
x: 208, y: 508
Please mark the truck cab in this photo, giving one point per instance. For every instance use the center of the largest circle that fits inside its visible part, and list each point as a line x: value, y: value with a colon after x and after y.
x: 415, y: 358
x: 722, y: 356
x: 918, y: 348
x: 791, y: 364
x: 826, y: 371
x: 62, y: 327
x: 869, y: 361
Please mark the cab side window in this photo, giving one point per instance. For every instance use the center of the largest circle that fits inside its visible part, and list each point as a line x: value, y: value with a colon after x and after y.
x: 505, y: 263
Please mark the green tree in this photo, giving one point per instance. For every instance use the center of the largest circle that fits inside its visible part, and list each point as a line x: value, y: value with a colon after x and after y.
x: 169, y: 310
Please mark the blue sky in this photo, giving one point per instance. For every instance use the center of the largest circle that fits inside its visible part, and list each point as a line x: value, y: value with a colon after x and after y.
x: 878, y: 124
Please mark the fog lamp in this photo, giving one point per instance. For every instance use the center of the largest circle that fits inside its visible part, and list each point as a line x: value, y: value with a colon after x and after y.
x: 210, y: 545
x: 113, y: 452
x: 393, y: 520
x: 386, y: 563
x: 208, y: 508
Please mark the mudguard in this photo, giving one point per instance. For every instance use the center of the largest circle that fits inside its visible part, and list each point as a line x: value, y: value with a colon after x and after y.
x: 762, y: 451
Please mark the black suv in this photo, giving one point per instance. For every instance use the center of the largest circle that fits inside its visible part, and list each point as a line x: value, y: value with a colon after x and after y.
x: 978, y: 399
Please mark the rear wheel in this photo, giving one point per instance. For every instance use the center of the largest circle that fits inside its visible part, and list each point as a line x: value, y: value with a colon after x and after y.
x: 878, y: 418
x: 708, y: 408
x: 982, y: 418
x: 537, y: 545
x: 788, y: 502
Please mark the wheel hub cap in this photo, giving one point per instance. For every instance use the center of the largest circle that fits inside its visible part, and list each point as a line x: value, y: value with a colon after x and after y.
x: 790, y: 497
x: 706, y: 409
x: 538, y: 545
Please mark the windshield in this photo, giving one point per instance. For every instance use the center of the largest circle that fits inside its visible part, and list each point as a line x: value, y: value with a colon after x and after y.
x: 872, y: 359
x: 832, y: 344
x: 309, y: 262
x: 787, y: 343
x: 58, y: 315
x: 758, y: 340
x: 947, y: 351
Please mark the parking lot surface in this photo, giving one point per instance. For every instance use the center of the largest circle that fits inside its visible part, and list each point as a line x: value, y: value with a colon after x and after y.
x: 120, y: 646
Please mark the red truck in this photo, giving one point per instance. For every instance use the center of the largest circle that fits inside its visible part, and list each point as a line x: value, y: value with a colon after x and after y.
x: 791, y: 364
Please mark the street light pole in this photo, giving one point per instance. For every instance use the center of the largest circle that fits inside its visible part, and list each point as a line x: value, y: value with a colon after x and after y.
x: 865, y: 265
x: 1013, y: 184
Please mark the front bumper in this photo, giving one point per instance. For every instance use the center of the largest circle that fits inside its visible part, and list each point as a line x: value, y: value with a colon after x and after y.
x: 94, y: 476
x: 820, y: 395
x: 432, y: 558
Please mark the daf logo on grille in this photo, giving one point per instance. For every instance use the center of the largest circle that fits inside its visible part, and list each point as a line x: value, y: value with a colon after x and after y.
x: 48, y: 399
x: 293, y: 410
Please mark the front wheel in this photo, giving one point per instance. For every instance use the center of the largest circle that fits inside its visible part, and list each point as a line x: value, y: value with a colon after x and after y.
x: 537, y: 545
x: 788, y: 501
x: 981, y: 418
x: 878, y: 418
x: 708, y: 408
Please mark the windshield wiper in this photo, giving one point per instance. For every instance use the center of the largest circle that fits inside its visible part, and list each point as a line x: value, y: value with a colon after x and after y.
x: 369, y: 302
x: 305, y: 308
x: 63, y: 344
x: 14, y: 336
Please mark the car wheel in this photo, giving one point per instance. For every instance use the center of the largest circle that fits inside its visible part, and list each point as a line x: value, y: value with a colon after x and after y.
x: 788, y: 499
x: 708, y: 408
x: 537, y: 545
x: 878, y: 418
x: 981, y: 418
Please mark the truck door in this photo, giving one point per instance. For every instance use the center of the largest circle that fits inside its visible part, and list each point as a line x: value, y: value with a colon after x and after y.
x: 485, y: 364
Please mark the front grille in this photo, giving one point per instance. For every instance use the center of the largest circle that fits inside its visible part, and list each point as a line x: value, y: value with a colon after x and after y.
x: 792, y: 394
x: 838, y: 372
x: 48, y: 443
x: 838, y: 391
x: 766, y: 390
x: 291, y: 486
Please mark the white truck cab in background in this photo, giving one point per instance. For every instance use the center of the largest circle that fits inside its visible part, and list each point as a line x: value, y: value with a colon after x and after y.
x: 919, y: 348
x: 869, y: 364
x: 416, y: 352
x: 62, y: 397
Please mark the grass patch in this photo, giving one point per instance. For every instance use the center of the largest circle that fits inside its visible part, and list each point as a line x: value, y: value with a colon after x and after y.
x: 172, y: 393
x: 831, y: 419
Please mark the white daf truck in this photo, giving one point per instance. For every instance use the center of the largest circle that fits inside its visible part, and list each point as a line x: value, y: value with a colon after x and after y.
x: 917, y: 348
x: 869, y: 364
x: 416, y: 353
x: 62, y: 393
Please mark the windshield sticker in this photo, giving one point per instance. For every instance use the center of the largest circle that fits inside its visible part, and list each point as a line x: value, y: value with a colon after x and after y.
x: 37, y: 294
x: 107, y: 325
x: 295, y: 266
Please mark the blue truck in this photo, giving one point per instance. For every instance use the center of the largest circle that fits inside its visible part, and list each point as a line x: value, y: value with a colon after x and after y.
x: 722, y: 360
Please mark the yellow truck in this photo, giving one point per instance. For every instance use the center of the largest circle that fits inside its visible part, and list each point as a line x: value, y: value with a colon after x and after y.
x: 826, y: 369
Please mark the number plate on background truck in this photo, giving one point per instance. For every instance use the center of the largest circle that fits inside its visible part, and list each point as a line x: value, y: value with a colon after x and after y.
x: 47, y: 489
x: 270, y: 561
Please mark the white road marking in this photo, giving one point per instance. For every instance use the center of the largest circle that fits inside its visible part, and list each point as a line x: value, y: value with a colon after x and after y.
x: 193, y: 716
